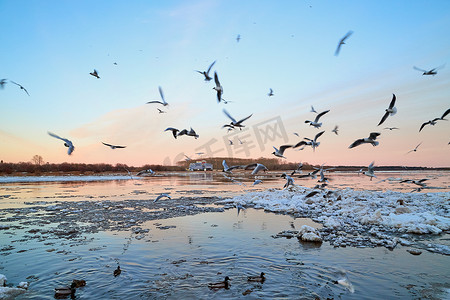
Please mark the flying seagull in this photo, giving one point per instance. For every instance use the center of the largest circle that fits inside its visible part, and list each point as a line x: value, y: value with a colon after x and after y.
x: 67, y: 143
x: 415, y: 149
x: 429, y: 72
x: 433, y: 122
x: 298, y: 170
x: 270, y: 94
x: 149, y: 171
x: 370, y: 140
x: 256, y: 168
x: 228, y: 169
x: 316, y: 123
x: 233, y: 124
x: 161, y: 196
x: 289, y: 180
x: 310, y: 174
x: 113, y: 146
x: 206, y: 73
x: 2, y: 83
x: 218, y: 87
x: 161, y: 111
x: 95, y: 74
x: 342, y: 42
x: 391, y: 128
x: 162, y: 97
x: 280, y: 152
x: 310, y: 142
x: 335, y: 130
x: 313, y: 110
x: 190, y: 132
x: 238, y: 38
x: 21, y: 87
x: 174, y: 131
x: 390, y: 111
x: 370, y: 172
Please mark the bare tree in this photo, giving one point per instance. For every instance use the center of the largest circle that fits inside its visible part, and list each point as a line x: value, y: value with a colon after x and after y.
x: 37, y: 160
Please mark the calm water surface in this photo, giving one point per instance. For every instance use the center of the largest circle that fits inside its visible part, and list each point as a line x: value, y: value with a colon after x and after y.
x: 178, y: 257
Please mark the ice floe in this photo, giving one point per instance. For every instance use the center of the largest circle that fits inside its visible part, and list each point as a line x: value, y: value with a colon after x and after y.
x: 360, y: 218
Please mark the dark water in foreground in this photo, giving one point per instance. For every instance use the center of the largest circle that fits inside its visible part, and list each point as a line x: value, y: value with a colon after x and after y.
x: 179, y: 260
x: 178, y: 257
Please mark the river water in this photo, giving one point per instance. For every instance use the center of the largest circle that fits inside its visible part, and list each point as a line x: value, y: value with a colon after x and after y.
x: 177, y: 257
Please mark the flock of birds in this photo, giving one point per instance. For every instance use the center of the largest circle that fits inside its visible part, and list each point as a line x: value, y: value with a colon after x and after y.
x: 239, y: 123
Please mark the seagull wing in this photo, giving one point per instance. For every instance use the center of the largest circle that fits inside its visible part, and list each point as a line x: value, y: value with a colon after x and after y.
x: 423, y: 125
x: 356, y: 143
x: 229, y: 116
x: 245, y: 119
x: 318, y: 135
x: 225, y: 166
x: 284, y: 147
x: 250, y: 166
x: 207, y: 72
x: 57, y: 136
x: 216, y: 79
x: 374, y: 135
x: 383, y: 118
x: 109, y: 145
x: 391, y: 105
x: 445, y: 114
x: 162, y: 94
x: 421, y: 70
x: 319, y: 115
x: 301, y: 143
x: 347, y: 36
x: 155, y: 101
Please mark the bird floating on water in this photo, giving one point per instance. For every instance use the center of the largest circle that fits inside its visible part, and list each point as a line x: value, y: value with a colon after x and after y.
x: 390, y: 111
x: 220, y: 285
x: 259, y: 278
x: 206, y: 73
x: 117, y: 271
x: 67, y: 143
x: 163, y: 102
x: 342, y: 42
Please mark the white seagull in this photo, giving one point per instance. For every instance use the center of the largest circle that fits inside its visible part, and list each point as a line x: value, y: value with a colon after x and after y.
x: 433, y: 122
x: 149, y: 171
x: 234, y: 123
x: 228, y: 169
x: 415, y: 149
x: 390, y: 111
x: 256, y: 168
x: 298, y: 170
x: 342, y: 42
x: 309, y: 142
x: 280, y: 152
x: 174, y: 131
x: 163, y: 102
x: 113, y: 146
x: 67, y: 143
x: 218, y: 87
x: 190, y: 132
x: 370, y: 140
x: 162, y: 196
x: 429, y: 72
x: 206, y: 73
x: 316, y: 123
x: 289, y: 180
x: 370, y: 171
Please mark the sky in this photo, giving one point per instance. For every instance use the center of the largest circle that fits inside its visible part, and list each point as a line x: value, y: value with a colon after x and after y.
x: 50, y: 47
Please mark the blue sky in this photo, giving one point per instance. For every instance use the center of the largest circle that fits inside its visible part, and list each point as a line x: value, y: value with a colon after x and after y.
x: 51, y: 46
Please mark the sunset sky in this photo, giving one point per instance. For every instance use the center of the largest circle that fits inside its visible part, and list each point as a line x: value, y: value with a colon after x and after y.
x: 50, y: 47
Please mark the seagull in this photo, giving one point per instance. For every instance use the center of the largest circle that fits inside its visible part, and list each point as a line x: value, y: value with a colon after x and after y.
x: 113, y: 146
x: 316, y: 123
x: 280, y: 152
x: 342, y: 42
x: 161, y: 111
x: 95, y: 74
x: 21, y: 87
x: 295, y: 133
x: 67, y: 143
x: 206, y: 73
x: 415, y: 149
x: 191, y: 132
x: 174, y: 131
x: 369, y: 171
x: 420, y: 182
x: 270, y: 94
x: 289, y: 180
x: 371, y: 139
x: 238, y: 38
x: 390, y: 111
x: 161, y: 196
x: 309, y: 142
x: 218, y: 87
x: 235, y: 123
x: 313, y: 110
x: 257, y: 181
x: 231, y: 142
x: 298, y: 170
x: 239, y: 208
x: 310, y: 174
x: 256, y: 168
x: 433, y: 122
x: 429, y: 72
x: 391, y: 128
x: 162, y: 97
x: 2, y: 83
x: 335, y: 130
x: 149, y: 171
x: 322, y: 177
x: 228, y: 169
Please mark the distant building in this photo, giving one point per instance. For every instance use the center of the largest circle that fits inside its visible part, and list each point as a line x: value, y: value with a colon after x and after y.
x: 200, y: 166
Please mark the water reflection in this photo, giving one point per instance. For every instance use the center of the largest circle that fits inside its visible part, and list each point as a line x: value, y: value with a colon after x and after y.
x: 178, y: 257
